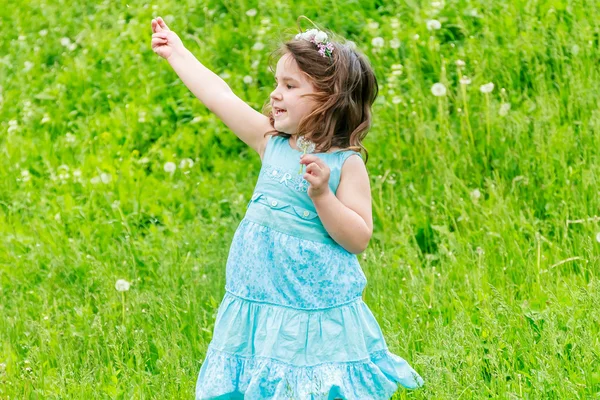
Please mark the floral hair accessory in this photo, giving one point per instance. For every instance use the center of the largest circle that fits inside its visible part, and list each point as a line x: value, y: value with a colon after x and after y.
x: 320, y: 39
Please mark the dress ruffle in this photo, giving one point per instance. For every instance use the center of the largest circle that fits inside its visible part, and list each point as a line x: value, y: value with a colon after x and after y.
x: 267, y: 351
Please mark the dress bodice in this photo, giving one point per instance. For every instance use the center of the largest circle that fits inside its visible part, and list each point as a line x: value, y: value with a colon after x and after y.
x: 280, y: 199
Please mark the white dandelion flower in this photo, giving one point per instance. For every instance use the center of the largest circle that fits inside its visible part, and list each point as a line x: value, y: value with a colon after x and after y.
x: 438, y: 89
x: 475, y: 194
x: 460, y: 63
x: 433, y: 25
x: 248, y: 79
x: 504, y: 107
x: 27, y: 66
x: 397, y: 99
x: 170, y: 167
x: 598, y: 237
x: 258, y: 46
x: 394, y: 23
x: 378, y: 42
x: 575, y: 50
x: 395, y: 43
x: 186, y: 163
x: 95, y: 180
x: 105, y: 178
x: 25, y: 176
x: 487, y: 88
x: 373, y: 25
x: 70, y: 138
x: 65, y: 41
x: 122, y: 285
x: 251, y: 12
x: 465, y: 80
x: 43, y: 32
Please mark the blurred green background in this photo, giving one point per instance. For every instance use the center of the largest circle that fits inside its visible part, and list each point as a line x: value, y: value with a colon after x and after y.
x: 483, y: 267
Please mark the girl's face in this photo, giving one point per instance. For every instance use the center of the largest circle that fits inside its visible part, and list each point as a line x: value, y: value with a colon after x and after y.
x: 291, y: 84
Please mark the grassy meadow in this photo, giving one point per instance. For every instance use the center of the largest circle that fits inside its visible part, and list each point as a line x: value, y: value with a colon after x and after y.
x: 484, y: 264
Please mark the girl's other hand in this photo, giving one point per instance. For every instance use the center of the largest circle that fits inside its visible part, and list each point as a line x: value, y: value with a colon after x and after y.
x: 165, y: 42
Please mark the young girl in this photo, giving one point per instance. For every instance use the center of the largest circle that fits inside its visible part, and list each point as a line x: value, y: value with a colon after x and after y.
x: 292, y: 323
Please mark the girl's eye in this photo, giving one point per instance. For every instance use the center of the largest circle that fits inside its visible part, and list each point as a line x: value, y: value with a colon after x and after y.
x: 289, y: 86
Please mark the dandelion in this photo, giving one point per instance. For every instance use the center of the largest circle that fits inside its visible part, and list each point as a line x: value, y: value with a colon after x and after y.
x: 122, y: 286
x: 438, y: 89
x: 465, y: 80
x: 65, y: 41
x: 43, y: 32
x: 436, y: 4
x: 69, y: 138
x: 487, y: 88
x: 433, y: 25
x: 27, y: 65
x: 307, y: 147
x: 45, y: 119
x: 374, y: 25
x: 378, y: 42
x: 598, y: 237
x: 416, y: 36
x: 395, y: 43
x: 475, y: 194
x: 225, y: 75
x: 186, y: 163
x: 170, y: 167
x: 397, y: 100
x: 504, y: 107
x: 95, y: 180
x: 394, y: 23
x: 248, y: 79
x: 479, y: 251
x: 460, y: 63
x: 575, y: 50
x: 105, y: 178
x: 251, y: 12
x: 258, y: 46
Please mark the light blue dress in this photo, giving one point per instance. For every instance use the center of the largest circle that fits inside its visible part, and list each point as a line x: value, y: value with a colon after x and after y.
x: 292, y: 323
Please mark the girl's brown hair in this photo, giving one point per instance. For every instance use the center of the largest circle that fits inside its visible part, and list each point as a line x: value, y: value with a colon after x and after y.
x: 346, y: 88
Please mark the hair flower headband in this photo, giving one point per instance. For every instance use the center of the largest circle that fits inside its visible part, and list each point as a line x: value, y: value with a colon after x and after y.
x: 320, y: 39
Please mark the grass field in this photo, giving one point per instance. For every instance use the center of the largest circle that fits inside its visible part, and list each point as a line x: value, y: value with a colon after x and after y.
x: 484, y: 265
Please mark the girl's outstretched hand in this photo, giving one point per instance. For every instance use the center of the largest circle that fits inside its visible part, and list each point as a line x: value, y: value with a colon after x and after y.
x: 165, y: 42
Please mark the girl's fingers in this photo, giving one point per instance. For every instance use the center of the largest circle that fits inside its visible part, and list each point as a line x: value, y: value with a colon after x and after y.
x: 162, y: 23
x: 161, y: 35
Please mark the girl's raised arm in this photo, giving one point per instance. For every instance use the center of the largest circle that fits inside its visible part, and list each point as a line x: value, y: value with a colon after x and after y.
x: 247, y: 123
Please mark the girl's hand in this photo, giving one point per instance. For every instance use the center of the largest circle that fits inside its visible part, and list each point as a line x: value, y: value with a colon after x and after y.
x: 317, y: 174
x: 165, y: 42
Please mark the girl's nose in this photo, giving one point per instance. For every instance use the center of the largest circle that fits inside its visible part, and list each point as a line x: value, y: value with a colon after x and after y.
x: 275, y: 94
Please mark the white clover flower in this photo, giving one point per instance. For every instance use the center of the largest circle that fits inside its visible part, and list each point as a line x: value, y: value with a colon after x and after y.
x: 475, y: 194
x: 395, y: 43
x: 186, y: 163
x: 460, y: 63
x: 487, y: 88
x: 433, y: 25
x: 321, y: 37
x: 438, y: 89
x: 248, y: 79
x: 122, y: 285
x: 170, y: 167
x: 504, y: 107
x: 598, y: 237
x: 465, y: 80
x: 378, y: 42
x: 251, y: 12
x: 258, y: 46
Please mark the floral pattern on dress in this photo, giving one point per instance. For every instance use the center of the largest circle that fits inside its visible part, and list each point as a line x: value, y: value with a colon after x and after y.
x: 274, y: 267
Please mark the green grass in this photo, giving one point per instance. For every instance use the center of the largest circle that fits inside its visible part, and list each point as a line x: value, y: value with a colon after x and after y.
x: 489, y: 296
